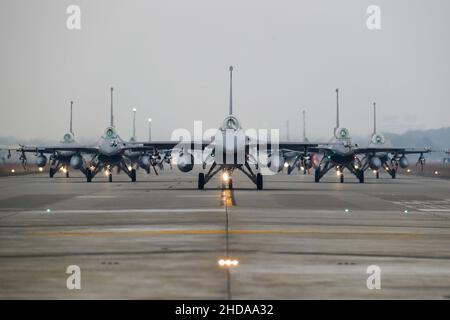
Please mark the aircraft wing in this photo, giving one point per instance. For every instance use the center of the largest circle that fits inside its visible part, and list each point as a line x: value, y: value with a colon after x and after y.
x: 392, y: 150
x: 78, y: 149
x: 168, y: 145
x: 297, y: 146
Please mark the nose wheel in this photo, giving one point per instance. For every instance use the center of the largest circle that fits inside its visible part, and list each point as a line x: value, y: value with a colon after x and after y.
x: 201, y: 181
x: 259, y: 181
x: 88, y: 175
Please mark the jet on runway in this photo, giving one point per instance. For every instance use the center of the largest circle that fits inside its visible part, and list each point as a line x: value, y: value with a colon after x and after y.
x: 344, y: 155
x: 107, y: 153
x: 231, y: 149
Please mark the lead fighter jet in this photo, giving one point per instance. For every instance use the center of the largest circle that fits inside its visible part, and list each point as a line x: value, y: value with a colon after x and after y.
x: 344, y: 155
x: 231, y: 149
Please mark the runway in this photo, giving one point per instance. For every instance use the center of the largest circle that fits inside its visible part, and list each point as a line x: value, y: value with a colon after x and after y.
x: 161, y: 238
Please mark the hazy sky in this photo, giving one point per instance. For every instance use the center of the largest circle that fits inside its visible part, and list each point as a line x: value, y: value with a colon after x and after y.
x: 169, y: 59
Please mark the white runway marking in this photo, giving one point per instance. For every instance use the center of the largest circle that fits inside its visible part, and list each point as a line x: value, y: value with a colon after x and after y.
x: 95, y: 197
x: 185, y: 210
x: 427, y: 205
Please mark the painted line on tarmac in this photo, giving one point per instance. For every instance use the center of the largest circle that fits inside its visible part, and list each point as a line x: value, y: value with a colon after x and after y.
x: 128, y: 233
x: 181, y: 210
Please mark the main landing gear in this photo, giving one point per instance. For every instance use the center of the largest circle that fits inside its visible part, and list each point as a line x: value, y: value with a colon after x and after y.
x: 227, y: 171
x: 323, y: 168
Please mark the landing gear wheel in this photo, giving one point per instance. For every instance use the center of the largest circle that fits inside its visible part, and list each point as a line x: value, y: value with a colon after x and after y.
x: 201, y: 181
x: 51, y: 172
x: 230, y: 184
x: 394, y: 172
x: 110, y: 177
x: 67, y: 174
x: 88, y: 175
x: 361, y: 176
x: 378, y: 175
x: 317, y: 175
x: 341, y: 176
x: 259, y: 181
x: 133, y: 175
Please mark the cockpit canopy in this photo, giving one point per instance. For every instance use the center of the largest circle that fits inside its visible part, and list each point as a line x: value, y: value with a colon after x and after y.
x: 342, y: 133
x: 378, y: 138
x: 110, y: 133
x: 231, y: 122
x: 68, y: 138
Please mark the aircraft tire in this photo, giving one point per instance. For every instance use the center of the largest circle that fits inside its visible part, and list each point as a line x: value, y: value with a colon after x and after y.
x: 51, y: 172
x: 394, y: 173
x: 341, y: 177
x: 317, y: 175
x: 88, y: 175
x: 201, y: 181
x: 110, y: 177
x: 259, y: 181
x: 133, y: 175
x: 67, y: 174
x: 361, y: 176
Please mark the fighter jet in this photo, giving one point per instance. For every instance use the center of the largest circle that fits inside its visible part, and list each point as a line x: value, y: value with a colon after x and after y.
x: 231, y: 149
x: 389, y: 161
x: 302, y: 161
x: 107, y: 153
x: 344, y: 155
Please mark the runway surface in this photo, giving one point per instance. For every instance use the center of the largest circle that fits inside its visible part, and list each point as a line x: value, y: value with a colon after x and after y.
x: 161, y: 238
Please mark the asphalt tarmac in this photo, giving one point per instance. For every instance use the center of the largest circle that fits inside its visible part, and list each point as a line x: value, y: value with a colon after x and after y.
x: 161, y: 238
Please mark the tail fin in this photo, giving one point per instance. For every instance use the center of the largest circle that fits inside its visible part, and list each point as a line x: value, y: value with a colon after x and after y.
x: 374, y: 118
x: 304, y: 125
x: 70, y: 126
x: 112, y: 111
x: 337, y: 110
x: 231, y: 91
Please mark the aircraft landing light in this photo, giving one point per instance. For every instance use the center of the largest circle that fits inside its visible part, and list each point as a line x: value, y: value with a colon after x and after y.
x: 40, y: 169
x: 375, y: 171
x: 12, y: 170
x: 286, y: 164
x: 409, y: 170
x: 347, y: 210
x: 130, y: 168
x: 228, y: 263
x: 436, y: 173
x: 225, y: 176
x: 302, y: 168
x: 406, y: 211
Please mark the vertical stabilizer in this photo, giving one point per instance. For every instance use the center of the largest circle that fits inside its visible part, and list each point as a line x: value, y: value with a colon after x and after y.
x: 337, y: 110
x: 231, y: 91
x: 374, y: 118
x: 112, y: 111
x: 70, y: 125
x: 304, y: 126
